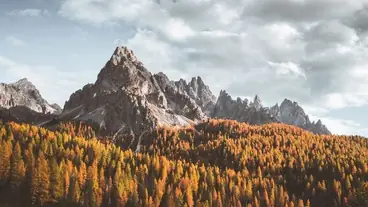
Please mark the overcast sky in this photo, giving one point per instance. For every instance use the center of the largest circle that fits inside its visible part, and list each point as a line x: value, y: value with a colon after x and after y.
x: 310, y: 51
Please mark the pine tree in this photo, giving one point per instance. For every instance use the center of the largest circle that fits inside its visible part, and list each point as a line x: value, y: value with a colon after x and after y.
x: 18, y: 170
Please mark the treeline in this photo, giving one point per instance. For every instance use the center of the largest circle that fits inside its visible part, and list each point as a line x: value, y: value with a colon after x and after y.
x: 215, y: 163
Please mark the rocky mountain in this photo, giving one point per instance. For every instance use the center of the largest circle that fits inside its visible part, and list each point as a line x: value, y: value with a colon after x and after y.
x: 255, y: 113
x: 24, y: 93
x: 126, y: 97
x: 23, y: 114
x: 291, y: 113
x: 242, y: 110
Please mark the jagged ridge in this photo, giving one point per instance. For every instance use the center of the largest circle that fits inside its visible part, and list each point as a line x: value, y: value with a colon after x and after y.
x: 254, y: 113
x: 127, y: 97
x: 24, y: 93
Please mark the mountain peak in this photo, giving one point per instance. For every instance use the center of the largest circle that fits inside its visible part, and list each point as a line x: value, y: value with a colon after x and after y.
x: 23, y: 80
x: 123, y: 53
x: 257, y: 102
x: 126, y: 95
x: 289, y: 103
x: 286, y: 101
x: 24, y: 83
x: 288, y: 113
x: 224, y: 93
x: 24, y: 93
x: 257, y: 99
x: 198, y: 80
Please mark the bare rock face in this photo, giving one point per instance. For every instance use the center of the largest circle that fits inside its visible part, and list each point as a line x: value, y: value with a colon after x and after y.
x: 24, y: 93
x: 242, y: 110
x: 127, y: 97
x: 254, y: 113
x: 23, y: 114
x: 291, y: 113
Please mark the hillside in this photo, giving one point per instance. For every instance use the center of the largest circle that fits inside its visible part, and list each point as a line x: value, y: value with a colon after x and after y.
x: 213, y: 163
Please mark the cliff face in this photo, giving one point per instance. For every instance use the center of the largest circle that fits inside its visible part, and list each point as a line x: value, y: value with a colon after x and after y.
x: 126, y: 96
x: 254, y: 113
x: 291, y: 113
x: 242, y: 110
x: 24, y: 93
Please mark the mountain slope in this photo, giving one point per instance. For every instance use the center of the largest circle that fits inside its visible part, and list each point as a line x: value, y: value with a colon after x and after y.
x: 254, y: 113
x: 127, y: 97
x: 24, y: 93
x: 214, y: 163
x: 23, y: 114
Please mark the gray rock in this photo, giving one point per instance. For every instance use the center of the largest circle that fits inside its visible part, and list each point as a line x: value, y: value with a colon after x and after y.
x: 24, y: 93
x: 127, y: 98
x: 241, y: 110
x: 126, y: 95
x: 254, y: 113
x: 291, y: 113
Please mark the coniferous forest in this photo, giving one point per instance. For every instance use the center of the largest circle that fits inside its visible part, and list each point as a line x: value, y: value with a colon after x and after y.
x: 214, y: 163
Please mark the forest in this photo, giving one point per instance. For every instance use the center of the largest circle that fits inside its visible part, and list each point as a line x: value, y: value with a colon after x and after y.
x: 214, y: 163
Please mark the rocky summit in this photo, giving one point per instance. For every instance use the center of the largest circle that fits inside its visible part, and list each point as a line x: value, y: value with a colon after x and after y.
x: 291, y: 113
x: 24, y: 94
x: 255, y: 113
x: 242, y: 110
x: 126, y: 97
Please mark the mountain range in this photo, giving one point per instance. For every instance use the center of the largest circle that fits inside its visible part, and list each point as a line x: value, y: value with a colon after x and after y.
x: 126, y: 98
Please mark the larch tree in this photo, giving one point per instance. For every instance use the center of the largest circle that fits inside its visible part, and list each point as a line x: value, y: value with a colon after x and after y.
x: 18, y: 170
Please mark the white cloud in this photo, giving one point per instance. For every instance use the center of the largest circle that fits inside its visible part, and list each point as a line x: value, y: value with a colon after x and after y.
x: 288, y: 68
x: 29, y: 12
x: 48, y: 79
x: 177, y: 29
x: 15, y: 41
x: 117, y: 42
x: 340, y: 126
x: 156, y: 54
x: 214, y: 35
x: 340, y: 100
x: 313, y: 52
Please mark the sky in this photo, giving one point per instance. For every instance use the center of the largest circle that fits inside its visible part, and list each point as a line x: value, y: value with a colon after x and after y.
x: 310, y: 51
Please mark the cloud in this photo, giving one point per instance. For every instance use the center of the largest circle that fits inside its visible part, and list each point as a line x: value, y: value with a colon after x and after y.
x: 300, y: 11
x: 49, y: 80
x: 314, y: 52
x: 29, y: 13
x: 287, y: 68
x: 283, y: 36
x: 341, y: 126
x: 15, y: 41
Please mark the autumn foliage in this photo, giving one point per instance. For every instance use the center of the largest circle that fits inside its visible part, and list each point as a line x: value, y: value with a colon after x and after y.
x: 215, y: 163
